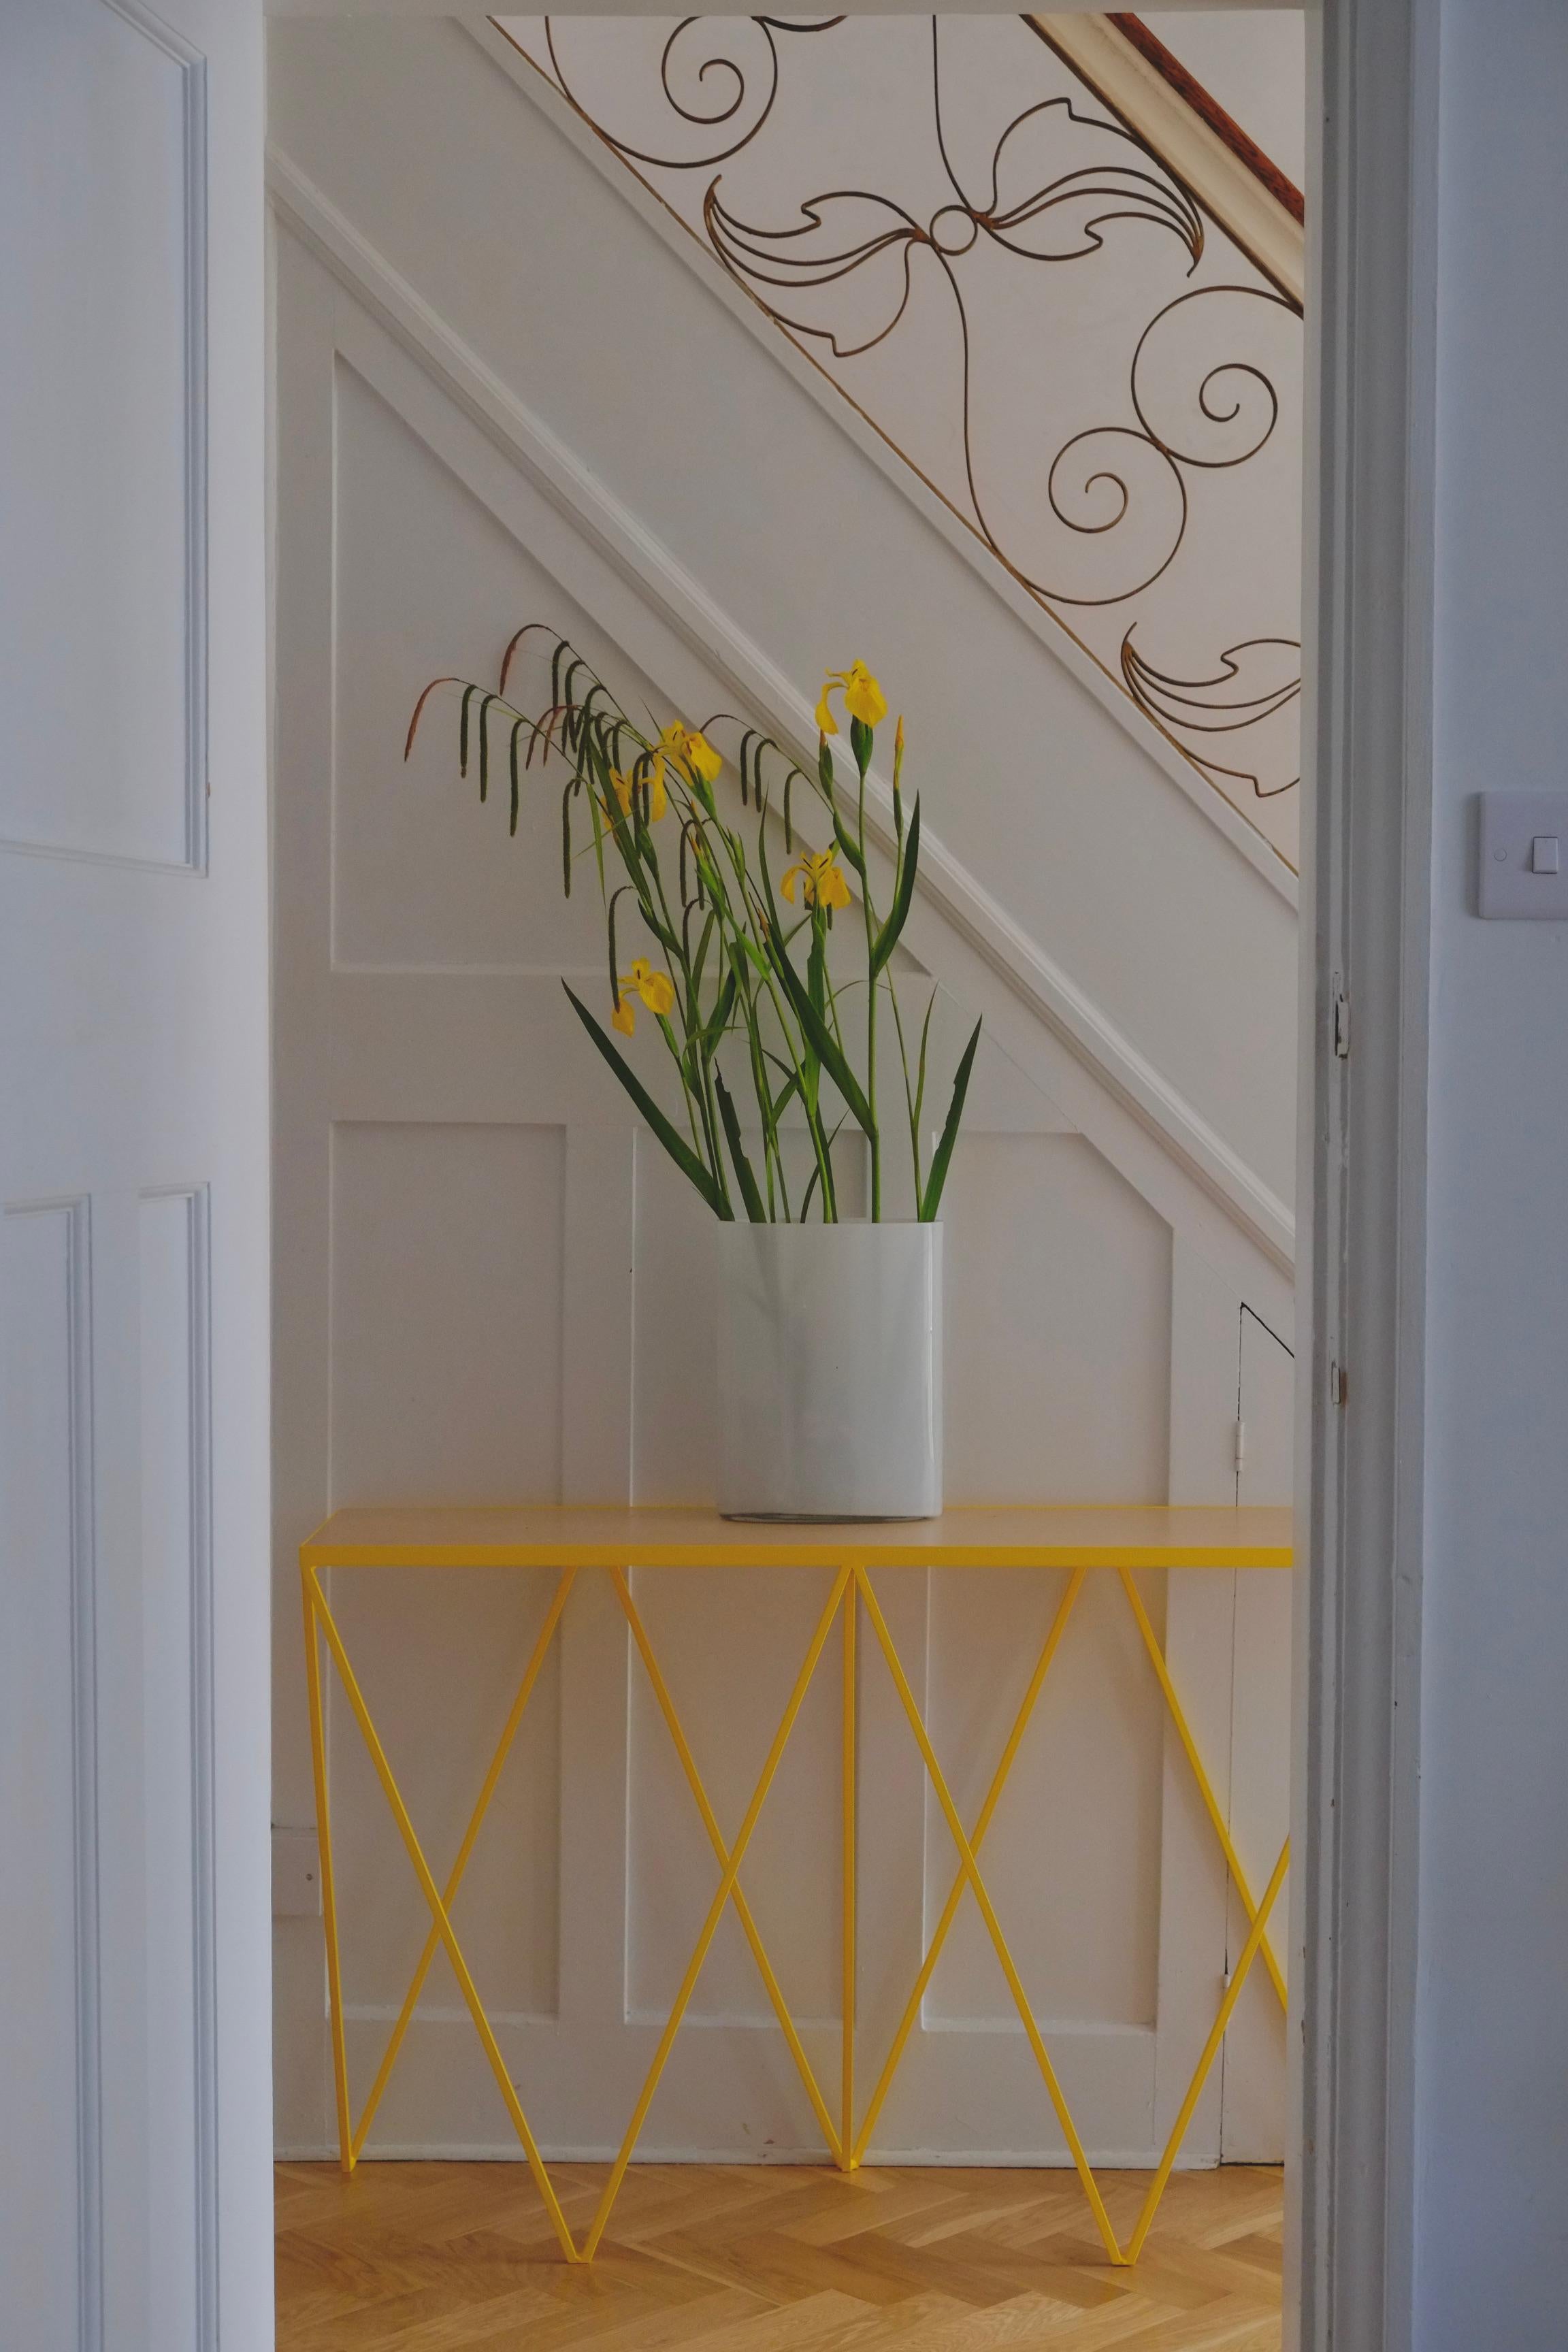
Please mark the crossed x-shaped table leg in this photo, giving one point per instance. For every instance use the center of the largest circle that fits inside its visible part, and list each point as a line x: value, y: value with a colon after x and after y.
x: 851, y: 1588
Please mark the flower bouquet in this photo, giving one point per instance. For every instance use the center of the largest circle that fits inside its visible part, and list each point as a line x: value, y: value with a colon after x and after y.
x: 734, y: 966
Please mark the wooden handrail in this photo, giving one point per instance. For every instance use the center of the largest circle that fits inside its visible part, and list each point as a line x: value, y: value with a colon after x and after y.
x: 1151, y: 93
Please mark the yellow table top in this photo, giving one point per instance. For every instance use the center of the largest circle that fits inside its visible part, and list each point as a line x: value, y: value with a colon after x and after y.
x: 1140, y: 1535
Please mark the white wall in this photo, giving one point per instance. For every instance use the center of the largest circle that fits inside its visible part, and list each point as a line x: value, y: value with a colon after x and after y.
x: 417, y: 137
x: 1492, y: 2119
x: 490, y: 1288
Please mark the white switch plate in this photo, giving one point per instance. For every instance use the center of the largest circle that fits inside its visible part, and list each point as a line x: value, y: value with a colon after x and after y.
x: 296, y: 1875
x: 1508, y: 888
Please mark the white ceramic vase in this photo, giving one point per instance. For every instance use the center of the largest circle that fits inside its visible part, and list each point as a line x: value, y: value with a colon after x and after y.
x: 830, y: 1371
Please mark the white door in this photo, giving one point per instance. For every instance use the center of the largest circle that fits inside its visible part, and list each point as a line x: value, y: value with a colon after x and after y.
x: 134, y: 2209
x: 1252, y: 2114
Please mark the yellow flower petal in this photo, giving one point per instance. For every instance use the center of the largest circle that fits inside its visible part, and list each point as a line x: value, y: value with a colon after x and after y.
x: 624, y: 1018
x: 704, y: 760
x: 654, y: 988
x: 825, y: 722
x: 863, y: 698
x: 652, y: 784
x: 822, y: 877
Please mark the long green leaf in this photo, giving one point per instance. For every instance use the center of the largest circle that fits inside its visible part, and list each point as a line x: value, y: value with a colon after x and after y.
x: 755, y: 1208
x: 485, y: 746
x: 895, y: 923
x: 682, y: 1154
x: 724, y: 1005
x: 823, y: 1045
x: 811, y: 1186
x: 849, y: 846
x: 701, y: 958
x: 925, y: 1041
x: 938, y: 1176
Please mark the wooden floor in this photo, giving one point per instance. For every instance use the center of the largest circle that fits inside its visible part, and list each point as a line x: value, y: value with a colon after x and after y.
x: 458, y: 2258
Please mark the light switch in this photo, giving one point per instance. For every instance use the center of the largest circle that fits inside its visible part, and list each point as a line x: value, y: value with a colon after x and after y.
x: 1523, y: 876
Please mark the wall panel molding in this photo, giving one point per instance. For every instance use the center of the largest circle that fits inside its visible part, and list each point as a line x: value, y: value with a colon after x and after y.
x: 177, y: 1506
x: 1046, y: 990
x: 75, y: 1514
x: 189, y: 65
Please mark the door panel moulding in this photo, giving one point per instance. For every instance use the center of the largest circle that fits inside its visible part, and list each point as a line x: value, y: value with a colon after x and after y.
x: 957, y: 534
x: 1044, y: 989
x: 74, y: 1529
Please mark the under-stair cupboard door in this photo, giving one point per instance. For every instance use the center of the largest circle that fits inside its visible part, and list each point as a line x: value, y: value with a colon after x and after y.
x: 134, y: 2205
x: 1252, y: 2116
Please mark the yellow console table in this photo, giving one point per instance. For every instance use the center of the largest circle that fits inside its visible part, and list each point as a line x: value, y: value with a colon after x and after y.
x: 1116, y: 1541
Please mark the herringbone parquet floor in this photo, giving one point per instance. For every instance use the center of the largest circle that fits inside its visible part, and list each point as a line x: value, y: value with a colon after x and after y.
x: 458, y: 2258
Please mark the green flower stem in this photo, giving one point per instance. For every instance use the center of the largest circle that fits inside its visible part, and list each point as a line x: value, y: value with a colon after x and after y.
x: 759, y: 987
x: 870, y: 1001
x: 909, y: 1088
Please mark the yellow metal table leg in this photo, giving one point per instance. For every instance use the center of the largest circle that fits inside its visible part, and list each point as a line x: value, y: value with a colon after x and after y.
x: 1205, y: 1788
x: 715, y: 1912
x: 994, y: 1926
x: 444, y: 1927
x: 847, y: 2158
x: 1211, y: 2048
x: 311, y: 1594
x: 955, y: 1893
x: 721, y: 1852
x: 475, y: 1822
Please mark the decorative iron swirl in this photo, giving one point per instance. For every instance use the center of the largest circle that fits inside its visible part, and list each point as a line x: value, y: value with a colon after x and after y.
x: 1110, y: 512
x: 1222, y: 705
x: 699, y: 47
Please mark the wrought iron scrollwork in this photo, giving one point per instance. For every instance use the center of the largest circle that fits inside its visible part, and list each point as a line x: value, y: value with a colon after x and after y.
x: 1109, y: 513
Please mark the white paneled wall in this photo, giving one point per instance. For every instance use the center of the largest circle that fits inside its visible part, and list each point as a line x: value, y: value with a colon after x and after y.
x: 46, y: 1941
x: 492, y: 1286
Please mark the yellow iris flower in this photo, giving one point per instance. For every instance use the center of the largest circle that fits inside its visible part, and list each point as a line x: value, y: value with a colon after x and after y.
x: 656, y: 989
x: 822, y: 878
x: 863, y: 698
x: 658, y: 798
x: 685, y: 745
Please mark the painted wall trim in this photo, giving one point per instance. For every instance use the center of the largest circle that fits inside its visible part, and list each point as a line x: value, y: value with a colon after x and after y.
x: 1041, y: 623
x: 1363, y: 1130
x: 198, y: 1200
x: 1048, y: 991
x: 76, y: 1215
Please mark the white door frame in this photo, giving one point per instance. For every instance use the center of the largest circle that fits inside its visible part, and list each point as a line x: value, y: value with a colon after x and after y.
x: 1366, y: 919
x: 1372, y: 249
